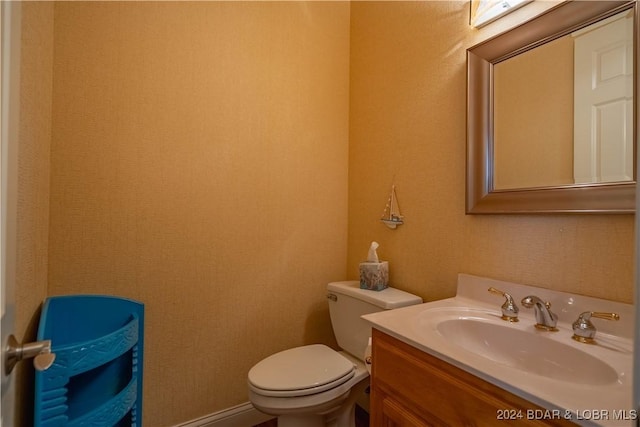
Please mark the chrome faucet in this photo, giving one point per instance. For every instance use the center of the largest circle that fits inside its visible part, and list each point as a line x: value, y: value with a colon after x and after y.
x: 545, y: 318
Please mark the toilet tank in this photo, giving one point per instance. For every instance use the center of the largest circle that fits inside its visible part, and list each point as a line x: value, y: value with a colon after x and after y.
x: 347, y: 302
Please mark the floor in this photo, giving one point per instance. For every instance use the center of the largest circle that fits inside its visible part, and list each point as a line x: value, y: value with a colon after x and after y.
x: 362, y: 419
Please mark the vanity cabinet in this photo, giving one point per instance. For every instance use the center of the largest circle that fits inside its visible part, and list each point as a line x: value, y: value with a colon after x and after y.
x: 410, y: 388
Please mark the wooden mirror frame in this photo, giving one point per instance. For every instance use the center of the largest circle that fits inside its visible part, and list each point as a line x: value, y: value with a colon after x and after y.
x: 481, y: 197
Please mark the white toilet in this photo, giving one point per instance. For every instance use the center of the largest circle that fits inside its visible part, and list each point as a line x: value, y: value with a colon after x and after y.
x: 314, y: 385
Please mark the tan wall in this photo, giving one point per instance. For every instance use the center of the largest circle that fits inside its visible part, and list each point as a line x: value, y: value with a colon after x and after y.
x: 533, y: 109
x: 199, y: 164
x: 408, y: 71
x: 33, y: 186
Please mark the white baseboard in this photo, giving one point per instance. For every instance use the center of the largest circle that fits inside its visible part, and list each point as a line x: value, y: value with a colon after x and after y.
x: 244, y: 415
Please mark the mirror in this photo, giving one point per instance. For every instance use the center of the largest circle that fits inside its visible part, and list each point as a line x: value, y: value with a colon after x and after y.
x: 563, y: 111
x: 531, y: 145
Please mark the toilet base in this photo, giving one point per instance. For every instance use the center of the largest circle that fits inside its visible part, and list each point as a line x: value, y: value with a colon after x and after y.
x: 301, y: 421
x: 344, y: 416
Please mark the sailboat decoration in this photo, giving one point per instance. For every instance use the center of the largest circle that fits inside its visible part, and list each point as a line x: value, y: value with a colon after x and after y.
x: 391, y: 216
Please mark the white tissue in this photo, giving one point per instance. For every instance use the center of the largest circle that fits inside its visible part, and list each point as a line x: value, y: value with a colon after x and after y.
x: 373, y: 255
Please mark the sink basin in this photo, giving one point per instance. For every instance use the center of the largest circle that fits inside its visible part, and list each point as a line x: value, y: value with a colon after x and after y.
x: 526, y: 350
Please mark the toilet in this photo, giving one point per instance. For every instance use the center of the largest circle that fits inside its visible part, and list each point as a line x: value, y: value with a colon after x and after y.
x: 314, y: 385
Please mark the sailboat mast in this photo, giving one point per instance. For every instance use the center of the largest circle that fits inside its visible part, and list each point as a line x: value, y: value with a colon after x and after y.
x: 394, y: 210
x: 391, y: 216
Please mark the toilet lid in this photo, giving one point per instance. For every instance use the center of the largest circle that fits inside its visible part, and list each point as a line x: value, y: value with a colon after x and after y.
x: 301, y: 370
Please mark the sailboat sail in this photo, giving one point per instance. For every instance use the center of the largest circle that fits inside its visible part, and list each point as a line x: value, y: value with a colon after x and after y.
x: 391, y: 216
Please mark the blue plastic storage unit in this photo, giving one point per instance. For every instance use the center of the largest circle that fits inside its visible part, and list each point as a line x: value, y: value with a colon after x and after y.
x: 96, y: 378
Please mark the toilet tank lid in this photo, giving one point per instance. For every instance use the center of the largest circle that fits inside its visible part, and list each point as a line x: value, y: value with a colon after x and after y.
x: 387, y: 299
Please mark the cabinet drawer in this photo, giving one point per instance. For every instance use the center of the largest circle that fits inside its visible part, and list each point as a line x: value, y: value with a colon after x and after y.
x: 442, y: 393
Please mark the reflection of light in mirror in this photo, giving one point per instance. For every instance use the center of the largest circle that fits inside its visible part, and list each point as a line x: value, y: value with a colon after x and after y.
x: 486, y: 11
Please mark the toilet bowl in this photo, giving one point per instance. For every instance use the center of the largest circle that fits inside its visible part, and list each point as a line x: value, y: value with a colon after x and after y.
x: 314, y: 385
x: 318, y: 383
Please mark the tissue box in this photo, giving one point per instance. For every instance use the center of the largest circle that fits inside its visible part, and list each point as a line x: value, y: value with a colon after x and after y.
x: 374, y: 275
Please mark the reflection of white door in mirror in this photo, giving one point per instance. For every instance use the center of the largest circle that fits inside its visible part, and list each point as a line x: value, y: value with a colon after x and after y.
x: 563, y: 111
x: 603, y: 101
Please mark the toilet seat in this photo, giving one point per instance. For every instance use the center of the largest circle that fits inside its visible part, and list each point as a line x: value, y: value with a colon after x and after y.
x: 300, y: 371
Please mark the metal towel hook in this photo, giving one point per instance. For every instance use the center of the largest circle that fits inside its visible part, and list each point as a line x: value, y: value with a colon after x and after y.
x: 40, y: 351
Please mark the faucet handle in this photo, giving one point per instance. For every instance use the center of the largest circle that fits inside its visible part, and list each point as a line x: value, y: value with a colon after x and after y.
x: 583, y: 329
x: 509, y: 308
